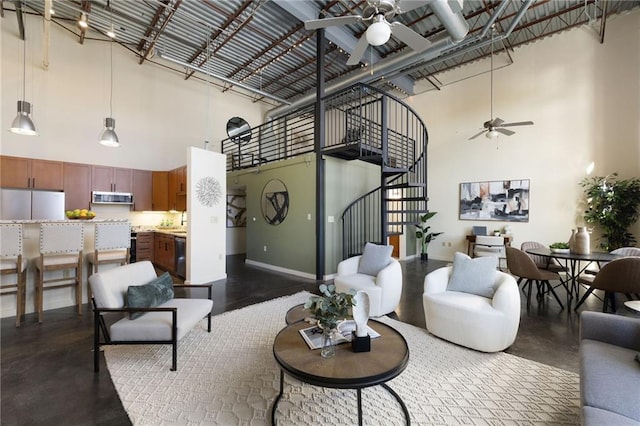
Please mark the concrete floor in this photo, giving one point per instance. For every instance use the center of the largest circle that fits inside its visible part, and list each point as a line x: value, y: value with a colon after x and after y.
x: 47, y: 369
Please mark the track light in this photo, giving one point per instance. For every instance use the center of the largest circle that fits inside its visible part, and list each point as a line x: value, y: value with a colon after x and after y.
x: 111, y: 32
x: 379, y: 31
x: 84, y: 21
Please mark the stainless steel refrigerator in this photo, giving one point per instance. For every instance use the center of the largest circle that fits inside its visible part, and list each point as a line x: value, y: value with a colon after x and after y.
x: 21, y: 204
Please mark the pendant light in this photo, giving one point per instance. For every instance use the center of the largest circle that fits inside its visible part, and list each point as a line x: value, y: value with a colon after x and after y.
x: 108, y: 136
x: 22, y: 124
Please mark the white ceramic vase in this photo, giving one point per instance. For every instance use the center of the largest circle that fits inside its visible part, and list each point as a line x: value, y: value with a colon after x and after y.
x: 582, y: 241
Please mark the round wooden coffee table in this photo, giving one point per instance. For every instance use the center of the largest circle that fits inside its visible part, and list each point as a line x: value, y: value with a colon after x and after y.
x: 388, y: 358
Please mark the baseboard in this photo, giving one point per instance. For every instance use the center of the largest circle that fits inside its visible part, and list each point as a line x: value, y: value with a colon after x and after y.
x: 281, y: 269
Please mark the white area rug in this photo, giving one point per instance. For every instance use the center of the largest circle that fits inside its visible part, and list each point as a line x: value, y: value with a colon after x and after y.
x: 229, y: 377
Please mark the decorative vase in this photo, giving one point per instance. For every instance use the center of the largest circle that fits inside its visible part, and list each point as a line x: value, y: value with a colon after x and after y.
x: 328, y: 349
x: 582, y: 241
x: 424, y: 257
x: 572, y: 241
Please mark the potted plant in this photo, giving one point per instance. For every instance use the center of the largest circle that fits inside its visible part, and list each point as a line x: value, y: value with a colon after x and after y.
x: 328, y: 309
x: 613, y: 206
x: 423, y: 235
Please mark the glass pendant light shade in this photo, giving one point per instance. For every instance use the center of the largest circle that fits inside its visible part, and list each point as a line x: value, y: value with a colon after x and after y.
x: 108, y: 136
x: 492, y: 134
x: 379, y: 32
x: 22, y: 124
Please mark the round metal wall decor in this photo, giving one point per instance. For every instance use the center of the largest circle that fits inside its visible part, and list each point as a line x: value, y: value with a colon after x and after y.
x: 239, y: 130
x: 275, y: 202
x: 208, y: 191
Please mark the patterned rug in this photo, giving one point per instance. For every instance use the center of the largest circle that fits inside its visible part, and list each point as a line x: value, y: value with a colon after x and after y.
x: 229, y: 377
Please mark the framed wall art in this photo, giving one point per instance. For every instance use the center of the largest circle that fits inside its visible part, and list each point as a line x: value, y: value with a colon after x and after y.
x: 501, y: 200
x: 236, y: 210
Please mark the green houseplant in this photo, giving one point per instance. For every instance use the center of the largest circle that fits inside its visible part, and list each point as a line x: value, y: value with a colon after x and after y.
x: 613, y: 206
x: 423, y: 235
x: 328, y: 309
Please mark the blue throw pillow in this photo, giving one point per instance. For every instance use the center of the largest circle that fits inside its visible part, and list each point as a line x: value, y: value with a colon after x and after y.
x: 374, y: 258
x: 475, y: 276
x: 150, y: 295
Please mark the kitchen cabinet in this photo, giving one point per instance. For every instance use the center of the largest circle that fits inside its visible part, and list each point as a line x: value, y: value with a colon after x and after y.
x: 77, y: 186
x: 160, y: 188
x: 142, y: 190
x: 164, y: 252
x: 178, y: 189
x: 144, y: 246
x: 111, y: 179
x: 27, y: 173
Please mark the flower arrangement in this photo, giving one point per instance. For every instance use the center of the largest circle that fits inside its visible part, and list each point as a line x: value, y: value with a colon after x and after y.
x: 330, y: 307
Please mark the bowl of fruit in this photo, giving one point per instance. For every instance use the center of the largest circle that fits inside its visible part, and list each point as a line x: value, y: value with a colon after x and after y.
x: 559, y: 248
x: 80, y: 214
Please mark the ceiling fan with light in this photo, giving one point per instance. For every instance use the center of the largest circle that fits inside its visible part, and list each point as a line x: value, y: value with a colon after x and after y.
x: 378, y: 12
x: 495, y: 126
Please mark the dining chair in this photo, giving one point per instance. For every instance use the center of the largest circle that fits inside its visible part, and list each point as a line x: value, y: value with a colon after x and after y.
x: 13, y: 263
x: 541, y: 262
x: 521, y: 265
x: 487, y: 245
x: 618, y: 276
x: 60, y: 249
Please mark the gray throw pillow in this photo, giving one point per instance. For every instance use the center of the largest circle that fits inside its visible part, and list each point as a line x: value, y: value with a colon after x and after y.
x: 475, y: 276
x: 150, y: 295
x: 374, y: 258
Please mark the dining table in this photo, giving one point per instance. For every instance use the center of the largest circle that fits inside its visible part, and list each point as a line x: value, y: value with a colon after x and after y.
x: 574, y: 265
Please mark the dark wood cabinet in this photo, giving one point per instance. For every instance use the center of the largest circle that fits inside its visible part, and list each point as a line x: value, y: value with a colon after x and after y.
x: 27, y: 173
x: 164, y: 252
x: 77, y: 186
x: 144, y: 246
x: 111, y: 179
x: 160, y: 185
x: 142, y: 190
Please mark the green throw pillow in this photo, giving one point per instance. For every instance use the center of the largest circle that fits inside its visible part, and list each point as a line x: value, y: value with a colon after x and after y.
x: 374, y: 258
x: 475, y: 276
x: 150, y: 295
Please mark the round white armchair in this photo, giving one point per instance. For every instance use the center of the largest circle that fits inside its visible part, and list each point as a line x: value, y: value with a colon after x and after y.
x: 477, y: 322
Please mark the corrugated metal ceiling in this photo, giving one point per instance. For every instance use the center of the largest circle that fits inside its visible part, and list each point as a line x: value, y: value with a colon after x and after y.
x: 263, y: 44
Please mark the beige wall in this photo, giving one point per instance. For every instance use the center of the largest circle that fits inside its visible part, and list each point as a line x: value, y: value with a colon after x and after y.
x: 158, y: 114
x: 584, y: 98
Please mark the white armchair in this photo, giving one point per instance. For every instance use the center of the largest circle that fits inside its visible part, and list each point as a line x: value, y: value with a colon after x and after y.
x: 384, y: 290
x: 477, y: 322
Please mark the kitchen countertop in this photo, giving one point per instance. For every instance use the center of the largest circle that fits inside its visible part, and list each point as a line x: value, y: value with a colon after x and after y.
x: 87, y: 221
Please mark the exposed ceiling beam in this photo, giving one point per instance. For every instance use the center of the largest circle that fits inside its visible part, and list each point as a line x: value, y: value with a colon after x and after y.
x: 340, y: 36
x: 160, y: 30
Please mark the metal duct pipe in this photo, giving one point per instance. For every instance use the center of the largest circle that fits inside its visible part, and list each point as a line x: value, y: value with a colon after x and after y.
x: 472, y: 43
x: 455, y: 24
x: 451, y: 20
x: 225, y: 79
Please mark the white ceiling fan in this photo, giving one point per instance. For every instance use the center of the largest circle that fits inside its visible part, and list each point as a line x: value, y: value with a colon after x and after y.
x: 378, y: 12
x: 494, y: 126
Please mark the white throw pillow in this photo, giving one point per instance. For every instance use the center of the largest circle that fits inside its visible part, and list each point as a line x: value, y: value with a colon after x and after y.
x: 475, y: 276
x: 374, y: 258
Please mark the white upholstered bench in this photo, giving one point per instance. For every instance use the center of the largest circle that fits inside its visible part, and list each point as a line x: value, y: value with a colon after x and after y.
x: 163, y: 324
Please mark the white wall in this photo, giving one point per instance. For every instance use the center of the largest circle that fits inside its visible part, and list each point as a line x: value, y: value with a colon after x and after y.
x: 584, y: 98
x: 158, y: 114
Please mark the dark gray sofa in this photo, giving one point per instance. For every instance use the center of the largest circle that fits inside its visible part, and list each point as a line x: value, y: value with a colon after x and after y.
x: 609, y: 375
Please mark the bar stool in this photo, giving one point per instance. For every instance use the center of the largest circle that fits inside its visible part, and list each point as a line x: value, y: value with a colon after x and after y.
x: 60, y: 248
x: 112, y: 245
x: 12, y: 263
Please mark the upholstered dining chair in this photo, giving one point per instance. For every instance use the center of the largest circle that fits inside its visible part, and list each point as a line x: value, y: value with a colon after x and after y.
x: 618, y: 276
x: 541, y: 262
x: 521, y: 265
x: 488, y: 245
x: 13, y: 263
x: 112, y: 245
x: 377, y: 274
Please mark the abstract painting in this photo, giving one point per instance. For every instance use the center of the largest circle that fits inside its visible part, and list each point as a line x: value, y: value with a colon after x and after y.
x: 236, y: 210
x: 502, y: 200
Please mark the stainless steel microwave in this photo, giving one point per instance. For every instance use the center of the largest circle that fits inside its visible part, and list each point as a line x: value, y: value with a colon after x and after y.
x: 99, y: 197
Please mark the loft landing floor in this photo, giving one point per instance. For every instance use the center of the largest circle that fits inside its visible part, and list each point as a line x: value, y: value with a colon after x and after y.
x: 47, y: 369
